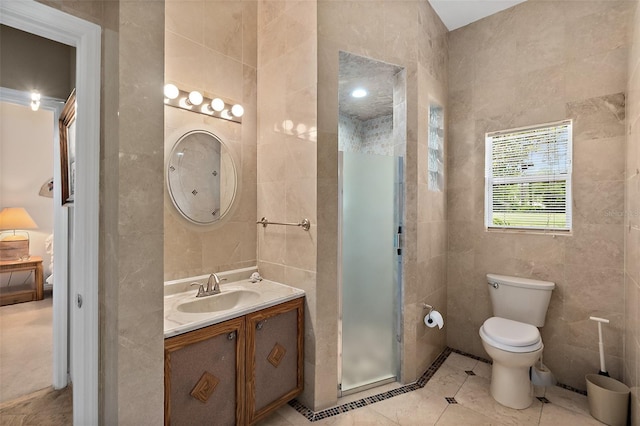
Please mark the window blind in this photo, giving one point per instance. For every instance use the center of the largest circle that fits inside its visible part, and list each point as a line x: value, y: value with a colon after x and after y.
x: 528, y: 178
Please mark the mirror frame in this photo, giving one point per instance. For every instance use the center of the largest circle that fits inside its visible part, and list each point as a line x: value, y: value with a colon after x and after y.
x: 178, y: 137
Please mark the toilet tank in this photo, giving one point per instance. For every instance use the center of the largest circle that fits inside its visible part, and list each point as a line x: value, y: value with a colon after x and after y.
x: 520, y: 299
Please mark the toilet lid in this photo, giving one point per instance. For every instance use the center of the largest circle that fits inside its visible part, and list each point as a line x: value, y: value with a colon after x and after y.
x: 511, y: 333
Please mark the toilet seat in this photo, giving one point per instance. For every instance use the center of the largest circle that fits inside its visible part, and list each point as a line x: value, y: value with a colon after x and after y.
x: 511, y: 336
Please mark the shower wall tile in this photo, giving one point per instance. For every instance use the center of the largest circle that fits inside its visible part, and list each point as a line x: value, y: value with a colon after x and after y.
x: 542, y: 70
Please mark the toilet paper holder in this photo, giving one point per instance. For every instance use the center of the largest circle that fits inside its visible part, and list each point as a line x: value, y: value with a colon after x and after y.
x: 429, y: 307
x: 433, y: 317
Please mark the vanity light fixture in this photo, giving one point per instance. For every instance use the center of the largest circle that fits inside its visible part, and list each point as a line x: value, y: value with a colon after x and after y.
x: 35, y: 100
x: 212, y: 107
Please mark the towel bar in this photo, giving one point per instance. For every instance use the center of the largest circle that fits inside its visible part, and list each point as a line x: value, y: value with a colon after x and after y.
x: 305, y: 224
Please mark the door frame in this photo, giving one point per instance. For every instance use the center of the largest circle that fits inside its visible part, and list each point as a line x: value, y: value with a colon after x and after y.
x: 44, y: 21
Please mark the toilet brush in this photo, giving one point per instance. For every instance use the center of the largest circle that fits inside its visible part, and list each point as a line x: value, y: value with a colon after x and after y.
x: 603, y: 369
x: 541, y: 375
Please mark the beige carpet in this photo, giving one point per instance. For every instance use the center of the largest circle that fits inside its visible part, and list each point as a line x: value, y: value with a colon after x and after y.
x: 45, y: 407
x: 26, y: 347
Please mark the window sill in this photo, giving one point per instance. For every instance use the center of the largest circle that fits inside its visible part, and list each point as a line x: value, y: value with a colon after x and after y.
x: 529, y: 232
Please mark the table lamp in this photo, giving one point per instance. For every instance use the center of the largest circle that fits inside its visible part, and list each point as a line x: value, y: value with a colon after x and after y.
x: 15, y: 246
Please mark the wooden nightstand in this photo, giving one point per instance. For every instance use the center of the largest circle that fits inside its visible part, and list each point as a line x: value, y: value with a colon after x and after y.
x: 22, y: 293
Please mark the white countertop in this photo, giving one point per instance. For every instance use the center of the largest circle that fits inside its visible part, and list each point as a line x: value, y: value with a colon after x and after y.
x: 270, y: 294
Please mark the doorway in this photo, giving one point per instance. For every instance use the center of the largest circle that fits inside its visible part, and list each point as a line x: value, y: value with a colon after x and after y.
x: 27, y: 157
x: 44, y: 21
x: 371, y: 144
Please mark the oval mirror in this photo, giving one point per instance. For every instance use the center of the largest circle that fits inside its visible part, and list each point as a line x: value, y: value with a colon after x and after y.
x: 201, y: 177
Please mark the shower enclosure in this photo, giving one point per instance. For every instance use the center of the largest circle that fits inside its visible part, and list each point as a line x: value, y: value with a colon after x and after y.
x: 371, y: 140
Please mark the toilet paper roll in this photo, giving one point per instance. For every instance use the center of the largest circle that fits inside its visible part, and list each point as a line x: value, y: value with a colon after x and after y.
x: 434, y: 318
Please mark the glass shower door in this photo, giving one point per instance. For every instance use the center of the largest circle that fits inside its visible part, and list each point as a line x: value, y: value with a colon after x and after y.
x: 369, y: 269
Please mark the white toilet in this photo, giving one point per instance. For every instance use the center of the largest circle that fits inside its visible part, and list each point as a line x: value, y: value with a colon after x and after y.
x: 511, y: 337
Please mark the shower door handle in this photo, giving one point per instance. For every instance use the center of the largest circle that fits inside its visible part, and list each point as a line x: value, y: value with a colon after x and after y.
x: 398, y: 241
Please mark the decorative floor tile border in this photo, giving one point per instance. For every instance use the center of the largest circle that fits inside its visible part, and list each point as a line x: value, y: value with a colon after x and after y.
x: 350, y: 406
x: 572, y: 389
x: 313, y: 416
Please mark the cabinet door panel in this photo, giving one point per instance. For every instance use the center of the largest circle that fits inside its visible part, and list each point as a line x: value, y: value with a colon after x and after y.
x: 274, y: 357
x: 205, y: 377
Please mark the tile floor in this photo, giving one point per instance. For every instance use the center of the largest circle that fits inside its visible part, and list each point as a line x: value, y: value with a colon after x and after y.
x: 461, y: 379
x: 470, y: 404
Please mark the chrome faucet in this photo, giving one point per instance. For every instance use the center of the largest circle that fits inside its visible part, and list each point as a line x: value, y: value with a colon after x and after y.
x: 215, y: 280
x: 201, y: 292
x: 213, y: 286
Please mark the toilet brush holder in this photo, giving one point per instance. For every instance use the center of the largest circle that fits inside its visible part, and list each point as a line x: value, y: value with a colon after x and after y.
x: 542, y: 376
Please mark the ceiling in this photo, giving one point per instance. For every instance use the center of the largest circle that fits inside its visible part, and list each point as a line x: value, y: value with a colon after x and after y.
x: 375, y: 77
x: 458, y: 13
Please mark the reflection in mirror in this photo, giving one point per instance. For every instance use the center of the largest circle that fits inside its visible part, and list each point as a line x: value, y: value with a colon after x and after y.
x: 201, y: 177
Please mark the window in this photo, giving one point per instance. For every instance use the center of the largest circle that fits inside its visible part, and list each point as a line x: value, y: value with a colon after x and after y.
x: 528, y: 178
x: 436, y: 148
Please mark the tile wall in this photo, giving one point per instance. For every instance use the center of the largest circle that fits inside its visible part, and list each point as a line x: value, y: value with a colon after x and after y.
x: 631, y: 359
x: 408, y: 34
x: 131, y: 222
x: 373, y: 136
x: 286, y: 173
x: 535, y: 63
x: 211, y: 47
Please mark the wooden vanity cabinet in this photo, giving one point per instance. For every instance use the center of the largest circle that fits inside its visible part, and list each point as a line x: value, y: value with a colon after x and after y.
x: 204, y: 379
x: 236, y: 372
x: 275, y: 358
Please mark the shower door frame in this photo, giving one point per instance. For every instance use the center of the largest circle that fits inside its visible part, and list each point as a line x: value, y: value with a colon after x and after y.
x: 398, y: 285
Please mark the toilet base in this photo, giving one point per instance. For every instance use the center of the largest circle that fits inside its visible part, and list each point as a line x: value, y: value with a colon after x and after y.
x: 511, y: 387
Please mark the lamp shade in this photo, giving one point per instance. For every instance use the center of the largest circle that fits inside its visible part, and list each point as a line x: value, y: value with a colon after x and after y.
x: 12, y: 218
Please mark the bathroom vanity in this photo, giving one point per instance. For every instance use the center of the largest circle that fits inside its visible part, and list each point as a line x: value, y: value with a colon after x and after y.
x: 234, y: 357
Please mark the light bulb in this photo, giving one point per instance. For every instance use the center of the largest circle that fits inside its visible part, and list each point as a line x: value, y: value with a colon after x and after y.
x: 171, y: 91
x: 35, y: 100
x: 217, y: 104
x: 237, y: 110
x: 195, y: 98
x: 225, y: 114
x: 359, y: 93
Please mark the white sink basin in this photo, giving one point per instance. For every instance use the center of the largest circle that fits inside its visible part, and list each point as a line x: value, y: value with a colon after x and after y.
x: 183, y: 312
x: 224, y: 301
